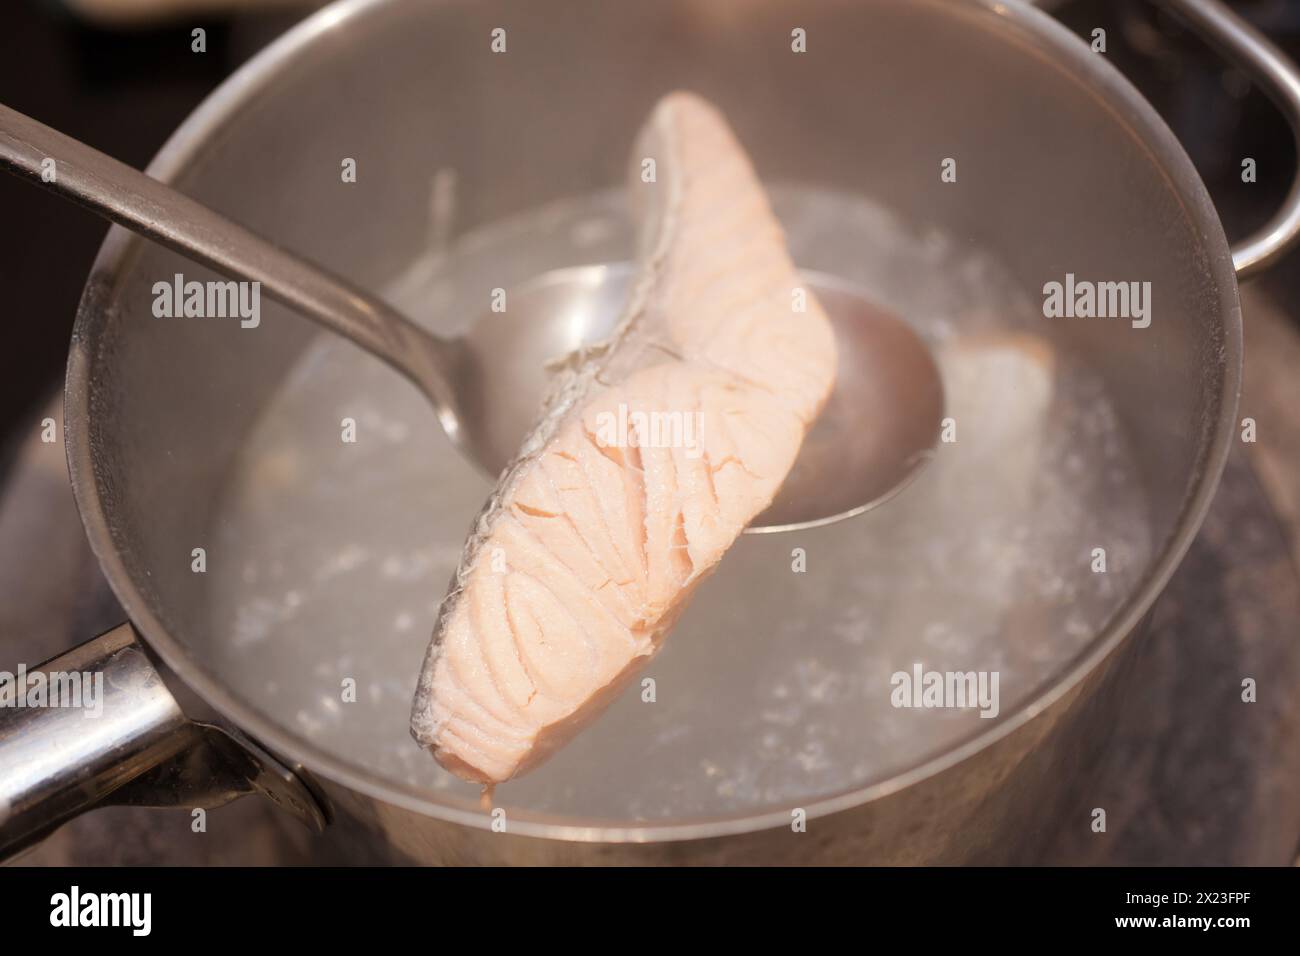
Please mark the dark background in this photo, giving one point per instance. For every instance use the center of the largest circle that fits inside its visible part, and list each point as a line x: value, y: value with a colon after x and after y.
x: 122, y: 90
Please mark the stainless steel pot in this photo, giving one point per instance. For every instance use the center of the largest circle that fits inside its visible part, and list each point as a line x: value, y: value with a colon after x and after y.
x: 1078, y: 174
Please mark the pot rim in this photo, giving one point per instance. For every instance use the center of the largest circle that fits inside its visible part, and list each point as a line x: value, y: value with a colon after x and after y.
x: 1056, y: 46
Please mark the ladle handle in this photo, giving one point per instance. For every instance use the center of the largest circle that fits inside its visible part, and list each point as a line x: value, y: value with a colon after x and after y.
x: 132, y: 199
x: 99, y: 726
x: 1277, y: 76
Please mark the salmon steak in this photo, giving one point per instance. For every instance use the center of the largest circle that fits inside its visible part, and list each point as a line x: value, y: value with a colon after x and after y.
x: 653, y: 451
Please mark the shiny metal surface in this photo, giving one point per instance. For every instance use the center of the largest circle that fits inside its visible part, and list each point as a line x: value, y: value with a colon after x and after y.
x: 488, y: 387
x: 880, y: 425
x: 956, y: 74
x: 58, y: 760
x: 122, y: 738
x: 886, y: 377
x: 128, y: 197
x: 1269, y: 67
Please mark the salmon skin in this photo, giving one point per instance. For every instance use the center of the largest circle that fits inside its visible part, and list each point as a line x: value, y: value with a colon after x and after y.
x: 653, y: 452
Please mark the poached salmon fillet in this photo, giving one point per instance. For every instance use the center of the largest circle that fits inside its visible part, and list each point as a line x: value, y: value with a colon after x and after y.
x: 653, y: 452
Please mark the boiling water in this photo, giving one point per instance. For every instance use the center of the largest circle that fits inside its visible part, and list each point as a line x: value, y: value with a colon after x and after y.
x: 776, y: 686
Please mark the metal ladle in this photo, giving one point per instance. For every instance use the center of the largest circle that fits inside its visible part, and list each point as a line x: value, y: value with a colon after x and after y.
x: 878, y: 429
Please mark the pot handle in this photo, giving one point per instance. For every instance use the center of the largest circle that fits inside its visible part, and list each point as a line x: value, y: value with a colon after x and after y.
x: 106, y: 730
x: 1277, y: 76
